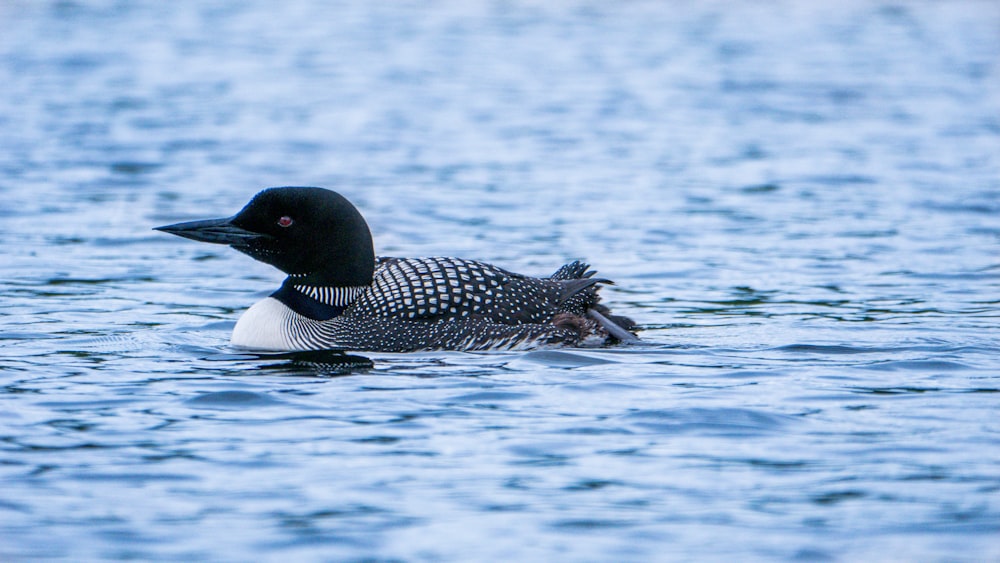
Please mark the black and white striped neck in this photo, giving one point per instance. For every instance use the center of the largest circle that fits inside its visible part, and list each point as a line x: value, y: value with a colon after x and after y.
x: 335, y: 296
x: 316, y: 302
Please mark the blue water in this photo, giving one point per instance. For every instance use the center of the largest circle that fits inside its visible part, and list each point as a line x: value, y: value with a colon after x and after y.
x: 799, y: 202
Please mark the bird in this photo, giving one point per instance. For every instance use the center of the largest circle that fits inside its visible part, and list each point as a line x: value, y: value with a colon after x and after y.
x: 339, y: 296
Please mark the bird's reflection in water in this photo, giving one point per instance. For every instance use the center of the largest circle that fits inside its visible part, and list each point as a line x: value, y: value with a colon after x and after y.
x: 325, y: 363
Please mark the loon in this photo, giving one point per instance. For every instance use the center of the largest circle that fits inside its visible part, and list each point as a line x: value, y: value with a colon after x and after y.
x: 338, y: 295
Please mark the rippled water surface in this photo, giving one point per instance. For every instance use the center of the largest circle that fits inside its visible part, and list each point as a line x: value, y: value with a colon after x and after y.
x: 799, y: 202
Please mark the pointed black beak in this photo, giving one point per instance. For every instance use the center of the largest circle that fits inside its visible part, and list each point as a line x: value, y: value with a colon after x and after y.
x: 217, y: 231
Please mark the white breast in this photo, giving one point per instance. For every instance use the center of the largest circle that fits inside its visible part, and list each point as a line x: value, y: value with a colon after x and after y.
x: 265, y: 327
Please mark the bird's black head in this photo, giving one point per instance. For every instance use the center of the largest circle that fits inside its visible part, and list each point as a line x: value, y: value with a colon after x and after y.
x: 312, y: 234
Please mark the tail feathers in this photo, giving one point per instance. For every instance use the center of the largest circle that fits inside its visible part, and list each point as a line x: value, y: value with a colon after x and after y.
x: 573, y: 271
x: 575, y: 278
x: 578, y: 281
x: 572, y: 288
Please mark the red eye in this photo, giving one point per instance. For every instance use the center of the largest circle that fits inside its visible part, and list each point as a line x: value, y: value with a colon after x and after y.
x: 285, y: 221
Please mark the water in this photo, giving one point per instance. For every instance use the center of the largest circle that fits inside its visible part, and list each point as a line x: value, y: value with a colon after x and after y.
x: 799, y: 202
